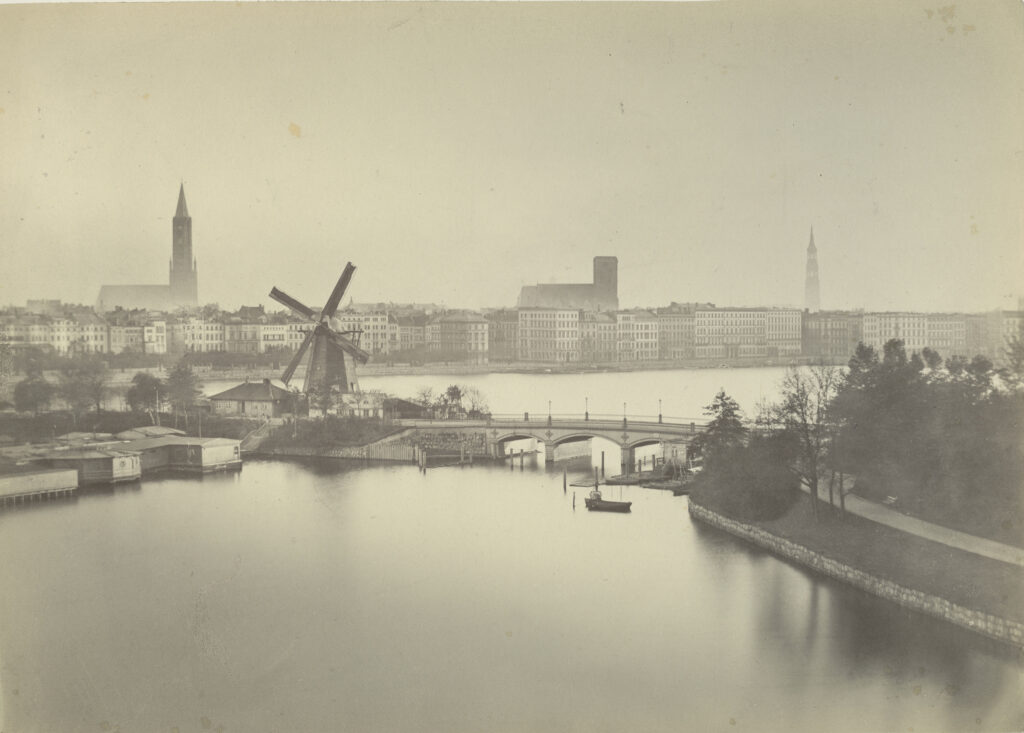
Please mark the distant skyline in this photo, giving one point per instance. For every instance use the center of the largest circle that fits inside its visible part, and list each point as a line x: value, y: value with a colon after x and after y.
x: 456, y: 152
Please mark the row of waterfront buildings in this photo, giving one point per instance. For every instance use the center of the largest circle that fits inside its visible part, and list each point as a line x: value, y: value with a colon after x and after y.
x: 680, y: 331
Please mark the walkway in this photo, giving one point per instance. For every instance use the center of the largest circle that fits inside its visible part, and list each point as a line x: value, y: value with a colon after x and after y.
x: 960, y: 540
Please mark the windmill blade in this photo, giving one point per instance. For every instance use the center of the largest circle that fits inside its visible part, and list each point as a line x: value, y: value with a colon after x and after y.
x: 349, y: 348
x: 284, y: 299
x: 339, y: 291
x: 294, y: 364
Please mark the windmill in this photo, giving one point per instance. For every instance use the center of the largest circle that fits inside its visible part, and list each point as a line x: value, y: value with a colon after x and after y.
x: 333, y: 356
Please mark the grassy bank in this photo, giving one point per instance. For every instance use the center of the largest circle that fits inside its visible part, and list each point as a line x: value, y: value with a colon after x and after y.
x: 331, y: 432
x: 964, y: 578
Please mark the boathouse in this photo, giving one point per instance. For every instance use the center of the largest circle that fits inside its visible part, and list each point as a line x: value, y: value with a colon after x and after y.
x: 187, y: 454
x: 27, y: 484
x: 98, y: 465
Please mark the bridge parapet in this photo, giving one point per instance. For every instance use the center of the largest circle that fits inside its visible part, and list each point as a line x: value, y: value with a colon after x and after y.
x: 629, y: 433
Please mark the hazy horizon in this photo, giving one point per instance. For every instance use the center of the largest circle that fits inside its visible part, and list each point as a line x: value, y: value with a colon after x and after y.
x: 456, y: 152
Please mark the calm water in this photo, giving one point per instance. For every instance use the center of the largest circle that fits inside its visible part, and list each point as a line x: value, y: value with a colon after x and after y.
x: 323, y: 597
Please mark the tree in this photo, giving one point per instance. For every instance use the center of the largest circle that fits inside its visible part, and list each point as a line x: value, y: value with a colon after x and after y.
x: 476, y: 400
x: 145, y: 392
x: 453, y: 396
x: 805, y: 418
x: 83, y: 382
x: 183, y: 387
x: 425, y: 396
x: 726, y: 429
x: 6, y: 362
x: 33, y: 394
x: 1014, y: 352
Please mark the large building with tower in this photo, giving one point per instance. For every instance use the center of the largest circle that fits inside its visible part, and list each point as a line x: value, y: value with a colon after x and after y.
x: 183, y: 287
x: 600, y: 295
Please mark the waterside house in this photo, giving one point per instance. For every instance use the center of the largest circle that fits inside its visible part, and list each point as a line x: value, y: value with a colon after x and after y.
x: 253, y: 399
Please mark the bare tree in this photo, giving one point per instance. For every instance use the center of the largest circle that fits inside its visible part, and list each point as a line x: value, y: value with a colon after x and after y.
x: 804, y: 415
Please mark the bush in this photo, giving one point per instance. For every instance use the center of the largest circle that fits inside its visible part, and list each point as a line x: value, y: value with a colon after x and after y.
x: 748, y: 483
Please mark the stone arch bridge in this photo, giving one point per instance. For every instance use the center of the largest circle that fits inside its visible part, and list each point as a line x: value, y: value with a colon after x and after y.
x: 628, y: 433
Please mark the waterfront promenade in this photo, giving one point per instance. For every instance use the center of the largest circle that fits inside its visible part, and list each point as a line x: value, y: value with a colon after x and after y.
x: 937, y: 533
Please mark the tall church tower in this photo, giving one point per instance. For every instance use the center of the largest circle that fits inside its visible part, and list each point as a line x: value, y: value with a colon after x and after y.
x: 812, y: 294
x: 184, y: 280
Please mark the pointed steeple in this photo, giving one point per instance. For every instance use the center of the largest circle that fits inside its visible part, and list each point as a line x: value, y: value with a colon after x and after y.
x: 812, y: 293
x: 182, y: 207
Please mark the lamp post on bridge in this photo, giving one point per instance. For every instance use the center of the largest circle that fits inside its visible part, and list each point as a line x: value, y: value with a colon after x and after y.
x: 623, y: 414
x: 586, y: 408
x: 659, y: 409
x: 549, y: 412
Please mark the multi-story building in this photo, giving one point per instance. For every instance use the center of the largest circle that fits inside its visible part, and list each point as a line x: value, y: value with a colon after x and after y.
x: 832, y: 336
x: 910, y: 328
x: 459, y: 333
x: 194, y: 334
x: 126, y: 339
x: 241, y: 337
x: 154, y: 337
x: 25, y: 331
x: 273, y: 336
x: 976, y: 333
x: 1002, y: 326
x: 549, y: 334
x: 598, y: 336
x: 371, y: 329
x: 783, y: 328
x: 730, y: 333
x: 296, y: 334
x: 79, y: 333
x: 412, y: 332
x: 502, y: 334
x: 676, y: 325
x: 636, y: 335
x: 947, y: 333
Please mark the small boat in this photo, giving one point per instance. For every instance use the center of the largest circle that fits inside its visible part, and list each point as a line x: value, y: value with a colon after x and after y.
x: 597, y: 504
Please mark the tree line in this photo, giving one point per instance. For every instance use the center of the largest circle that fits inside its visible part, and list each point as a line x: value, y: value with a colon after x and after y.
x: 941, y: 438
x: 83, y: 383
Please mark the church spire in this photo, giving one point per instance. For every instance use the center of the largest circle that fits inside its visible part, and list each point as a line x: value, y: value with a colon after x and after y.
x: 812, y: 293
x: 182, y: 207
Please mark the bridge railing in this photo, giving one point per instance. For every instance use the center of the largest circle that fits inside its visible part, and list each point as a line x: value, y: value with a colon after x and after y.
x: 521, y: 418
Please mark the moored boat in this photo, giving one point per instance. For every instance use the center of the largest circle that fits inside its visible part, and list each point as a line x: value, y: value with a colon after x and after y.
x: 596, y: 503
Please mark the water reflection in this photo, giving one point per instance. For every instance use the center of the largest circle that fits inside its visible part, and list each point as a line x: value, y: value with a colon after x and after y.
x: 319, y: 595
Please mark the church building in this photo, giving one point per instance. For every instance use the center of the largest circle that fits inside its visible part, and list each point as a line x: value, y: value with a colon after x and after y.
x: 182, y: 289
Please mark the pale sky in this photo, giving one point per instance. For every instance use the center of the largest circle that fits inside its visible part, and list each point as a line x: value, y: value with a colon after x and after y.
x: 455, y: 152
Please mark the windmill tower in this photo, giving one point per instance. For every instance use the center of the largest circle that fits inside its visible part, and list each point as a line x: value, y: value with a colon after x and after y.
x: 812, y: 293
x: 332, y: 356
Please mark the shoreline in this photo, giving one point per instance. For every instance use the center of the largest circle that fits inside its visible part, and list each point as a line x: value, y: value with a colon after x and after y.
x: 993, y: 626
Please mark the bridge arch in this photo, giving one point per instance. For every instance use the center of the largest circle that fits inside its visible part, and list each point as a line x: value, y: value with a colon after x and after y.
x: 576, y: 437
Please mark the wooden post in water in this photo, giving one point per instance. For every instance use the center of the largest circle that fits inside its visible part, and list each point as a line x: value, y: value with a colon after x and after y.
x: 565, y: 481
x: 574, y: 501
x: 602, y: 464
x: 521, y: 459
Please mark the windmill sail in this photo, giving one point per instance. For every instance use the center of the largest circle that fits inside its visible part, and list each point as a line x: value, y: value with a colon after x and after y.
x: 330, y: 356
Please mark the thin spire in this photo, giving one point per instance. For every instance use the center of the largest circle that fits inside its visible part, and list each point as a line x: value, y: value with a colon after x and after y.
x: 811, y: 245
x: 182, y: 207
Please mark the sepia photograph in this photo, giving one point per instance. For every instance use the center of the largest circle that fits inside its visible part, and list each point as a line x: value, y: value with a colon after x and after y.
x: 512, y: 367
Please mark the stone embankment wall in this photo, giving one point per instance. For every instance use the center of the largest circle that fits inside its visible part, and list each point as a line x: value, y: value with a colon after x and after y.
x: 984, y: 623
x: 454, y: 442
x: 371, y: 452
